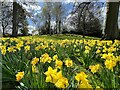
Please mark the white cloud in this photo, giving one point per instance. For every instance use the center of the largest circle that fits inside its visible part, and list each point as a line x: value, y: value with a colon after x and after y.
x: 34, y: 7
x: 31, y: 28
x: 53, y: 23
x: 69, y: 1
x: 37, y: 12
x: 67, y: 22
x: 68, y: 16
x: 30, y: 7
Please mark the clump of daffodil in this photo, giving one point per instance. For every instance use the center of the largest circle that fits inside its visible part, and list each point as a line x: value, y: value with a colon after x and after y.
x: 55, y: 57
x: 34, y: 69
x: 3, y: 39
x: 19, y: 76
x: 51, y: 75
x: 56, y: 78
x: 82, y: 80
x: 109, y: 42
x: 110, y: 64
x: 104, y: 49
x: 19, y: 43
x: 37, y: 48
x: 27, y: 48
x: 84, y: 85
x: 98, y: 51
x: 58, y: 64
x: 112, y: 49
x: 107, y: 56
x: 6, y: 43
x: 68, y: 62
x: 62, y: 82
x: 11, y: 49
x: 81, y: 76
x: 110, y: 60
x: 3, y: 50
x: 34, y: 61
x: 45, y: 58
x: 52, y: 48
x: 87, y: 49
x: 18, y: 46
x: 94, y: 68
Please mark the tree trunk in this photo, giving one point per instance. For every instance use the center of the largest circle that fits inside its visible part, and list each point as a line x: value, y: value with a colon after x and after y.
x: 49, y: 28
x: 56, y: 25
x: 111, y: 28
x: 2, y: 22
x: 3, y: 29
x: 14, y: 31
x: 59, y: 26
x: 84, y: 27
x: 3, y: 32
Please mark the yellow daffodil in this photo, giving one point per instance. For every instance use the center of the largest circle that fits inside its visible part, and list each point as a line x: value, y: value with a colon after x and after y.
x: 19, y: 76
x: 50, y: 71
x: 51, y: 75
x: 58, y: 64
x: 87, y: 51
x: 11, y: 49
x: 34, y: 69
x: 85, y: 85
x: 62, y: 83
x: 94, y: 68
x: 110, y: 64
x: 107, y: 56
x: 81, y: 76
x: 35, y: 61
x: 3, y: 50
x: 98, y: 51
x: 69, y: 62
x: 55, y: 57
x: 45, y: 58
x: 27, y: 48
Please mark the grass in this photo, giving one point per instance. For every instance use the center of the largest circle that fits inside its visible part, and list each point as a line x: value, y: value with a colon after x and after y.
x: 66, y: 36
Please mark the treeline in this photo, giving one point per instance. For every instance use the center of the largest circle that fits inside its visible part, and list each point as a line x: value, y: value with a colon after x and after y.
x: 13, y: 19
x: 85, y: 19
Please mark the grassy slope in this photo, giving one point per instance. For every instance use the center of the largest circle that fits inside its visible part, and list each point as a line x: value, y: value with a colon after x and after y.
x: 67, y: 36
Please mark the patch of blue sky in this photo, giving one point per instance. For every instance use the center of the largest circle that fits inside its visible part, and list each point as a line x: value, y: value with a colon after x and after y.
x: 68, y: 8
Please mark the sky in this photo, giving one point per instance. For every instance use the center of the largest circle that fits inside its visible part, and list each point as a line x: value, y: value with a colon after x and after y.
x: 38, y: 8
x: 68, y: 8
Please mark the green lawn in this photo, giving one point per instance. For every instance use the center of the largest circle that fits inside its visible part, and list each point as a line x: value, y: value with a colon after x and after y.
x: 65, y: 36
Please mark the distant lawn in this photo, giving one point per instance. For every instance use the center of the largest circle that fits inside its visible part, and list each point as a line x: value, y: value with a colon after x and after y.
x: 65, y: 36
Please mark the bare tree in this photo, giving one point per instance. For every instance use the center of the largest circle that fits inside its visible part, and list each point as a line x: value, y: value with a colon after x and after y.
x: 84, y: 13
x: 58, y: 13
x: 6, y: 17
x: 47, y: 15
